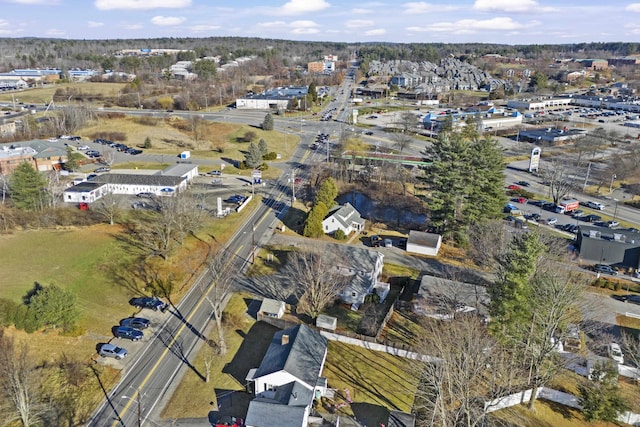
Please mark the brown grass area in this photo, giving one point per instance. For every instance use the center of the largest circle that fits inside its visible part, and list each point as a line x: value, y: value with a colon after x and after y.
x: 627, y: 322
x: 545, y: 414
x: 44, y: 95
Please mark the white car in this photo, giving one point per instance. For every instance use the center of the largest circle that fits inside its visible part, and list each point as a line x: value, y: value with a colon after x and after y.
x: 83, y: 147
x: 615, y: 352
x: 552, y: 221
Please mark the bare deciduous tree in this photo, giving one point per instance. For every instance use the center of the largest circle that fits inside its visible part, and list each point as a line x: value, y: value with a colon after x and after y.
x: 487, y: 241
x: 108, y: 206
x: 221, y: 273
x: 473, y: 372
x: 560, y: 179
x: 318, y: 278
x: 18, y: 384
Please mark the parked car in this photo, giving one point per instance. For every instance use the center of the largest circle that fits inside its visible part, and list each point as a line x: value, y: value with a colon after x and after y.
x: 369, y: 133
x: 388, y: 243
x: 135, y: 322
x: 145, y: 194
x: 612, y: 223
x: 579, y: 213
x: 523, y: 183
x: 229, y: 421
x: 591, y: 218
x: 615, y: 352
x: 84, y: 147
x: 102, y: 169
x: 552, y: 221
x: 513, y: 187
x: 375, y: 240
x: 110, y: 350
x: 605, y: 269
x: 128, y: 333
x: 633, y: 299
x: 149, y: 302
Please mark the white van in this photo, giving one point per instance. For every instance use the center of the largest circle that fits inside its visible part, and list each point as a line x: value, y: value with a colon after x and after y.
x: 595, y: 205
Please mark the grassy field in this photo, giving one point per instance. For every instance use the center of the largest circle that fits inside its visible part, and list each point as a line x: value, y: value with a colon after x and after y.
x: 546, y: 414
x: 372, y: 377
x: 44, y: 95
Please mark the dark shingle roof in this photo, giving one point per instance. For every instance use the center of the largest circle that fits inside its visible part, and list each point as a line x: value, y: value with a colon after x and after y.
x: 266, y: 414
x: 84, y: 187
x: 121, y: 178
x: 302, y: 356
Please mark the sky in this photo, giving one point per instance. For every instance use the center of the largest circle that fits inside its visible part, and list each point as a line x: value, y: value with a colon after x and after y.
x: 451, y: 21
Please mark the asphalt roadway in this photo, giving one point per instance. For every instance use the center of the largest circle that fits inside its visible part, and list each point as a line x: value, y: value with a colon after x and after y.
x: 146, y: 380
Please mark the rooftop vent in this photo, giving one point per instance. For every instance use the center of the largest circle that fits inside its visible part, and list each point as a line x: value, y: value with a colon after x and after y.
x: 284, y: 340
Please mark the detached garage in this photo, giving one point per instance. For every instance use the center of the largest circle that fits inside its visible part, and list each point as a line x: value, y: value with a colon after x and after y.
x: 424, y: 243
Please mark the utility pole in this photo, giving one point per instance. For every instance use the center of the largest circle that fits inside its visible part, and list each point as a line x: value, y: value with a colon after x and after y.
x: 586, y: 178
x: 293, y: 186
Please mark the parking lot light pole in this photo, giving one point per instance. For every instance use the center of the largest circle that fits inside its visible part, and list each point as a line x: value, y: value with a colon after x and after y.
x: 615, y: 210
x: 611, y: 185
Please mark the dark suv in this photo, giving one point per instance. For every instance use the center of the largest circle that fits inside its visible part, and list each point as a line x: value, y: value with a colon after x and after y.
x: 128, y: 333
x: 135, y: 322
x: 149, y: 302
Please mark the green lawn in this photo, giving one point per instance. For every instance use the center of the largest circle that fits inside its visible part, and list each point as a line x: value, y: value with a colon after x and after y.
x: 86, y: 261
x: 372, y: 377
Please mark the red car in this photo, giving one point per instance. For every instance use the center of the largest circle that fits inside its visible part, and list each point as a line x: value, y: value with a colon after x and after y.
x: 513, y: 187
x: 228, y: 421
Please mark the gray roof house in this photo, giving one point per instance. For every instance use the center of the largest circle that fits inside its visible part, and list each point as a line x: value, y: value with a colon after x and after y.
x: 345, y: 218
x: 288, y: 379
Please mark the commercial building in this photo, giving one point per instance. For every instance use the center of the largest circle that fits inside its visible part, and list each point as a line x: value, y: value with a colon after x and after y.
x: 602, y: 245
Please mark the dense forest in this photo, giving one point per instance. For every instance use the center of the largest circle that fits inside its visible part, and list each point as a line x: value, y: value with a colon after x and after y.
x: 62, y: 53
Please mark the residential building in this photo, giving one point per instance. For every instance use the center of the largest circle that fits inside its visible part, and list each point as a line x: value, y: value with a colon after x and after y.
x: 315, y: 67
x: 345, y: 218
x: 272, y: 308
x: 288, y: 379
x: 12, y: 83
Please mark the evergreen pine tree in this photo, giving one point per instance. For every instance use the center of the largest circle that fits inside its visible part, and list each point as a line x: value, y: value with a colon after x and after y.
x: 267, y: 123
x: 27, y: 188
x: 253, y: 158
x: 264, y: 149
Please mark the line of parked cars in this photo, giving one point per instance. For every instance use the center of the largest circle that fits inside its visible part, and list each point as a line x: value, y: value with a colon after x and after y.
x: 123, y: 148
x: 131, y: 328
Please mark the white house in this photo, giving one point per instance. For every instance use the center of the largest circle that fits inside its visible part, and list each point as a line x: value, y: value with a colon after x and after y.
x: 272, y: 308
x: 424, y: 243
x: 345, y: 218
x: 288, y: 379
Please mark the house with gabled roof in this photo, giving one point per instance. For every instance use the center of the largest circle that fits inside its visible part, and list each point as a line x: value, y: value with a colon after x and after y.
x: 288, y: 379
x: 345, y: 218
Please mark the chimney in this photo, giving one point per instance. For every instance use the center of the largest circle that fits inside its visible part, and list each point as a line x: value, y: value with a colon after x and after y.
x: 285, y: 339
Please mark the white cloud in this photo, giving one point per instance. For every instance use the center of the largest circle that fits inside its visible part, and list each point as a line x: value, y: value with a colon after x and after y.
x: 136, y: 26
x: 303, y: 27
x: 54, y: 32
x: 271, y: 24
x: 418, y: 7
x: 360, y: 11
x: 298, y: 7
x: 94, y: 24
x: 465, y: 26
x: 42, y: 2
x: 376, y: 32
x: 167, y: 21
x: 517, y: 6
x: 358, y: 23
x: 203, y: 28
x: 141, y: 4
x: 4, y: 23
x: 633, y: 7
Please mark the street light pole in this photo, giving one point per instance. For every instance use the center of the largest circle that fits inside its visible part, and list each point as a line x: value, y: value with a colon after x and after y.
x: 611, y: 185
x: 615, y: 211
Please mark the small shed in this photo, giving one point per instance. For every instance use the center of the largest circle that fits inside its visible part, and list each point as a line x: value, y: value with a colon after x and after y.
x: 424, y: 243
x: 272, y: 308
x: 326, y: 322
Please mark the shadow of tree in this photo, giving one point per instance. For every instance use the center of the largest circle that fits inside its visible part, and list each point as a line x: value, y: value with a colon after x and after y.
x: 251, y: 351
